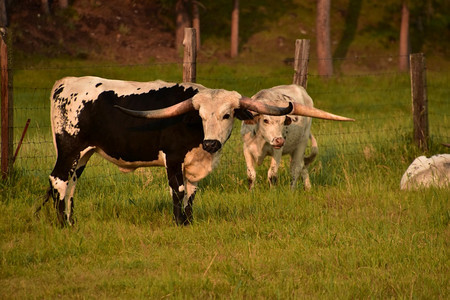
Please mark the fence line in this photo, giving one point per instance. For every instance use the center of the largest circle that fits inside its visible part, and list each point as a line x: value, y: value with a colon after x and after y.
x: 35, y: 149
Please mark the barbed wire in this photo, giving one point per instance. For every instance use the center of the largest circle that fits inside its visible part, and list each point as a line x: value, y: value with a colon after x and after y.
x: 351, y: 139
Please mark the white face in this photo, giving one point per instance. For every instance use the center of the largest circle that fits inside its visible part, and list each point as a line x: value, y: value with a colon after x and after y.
x: 272, y: 128
x: 216, y: 108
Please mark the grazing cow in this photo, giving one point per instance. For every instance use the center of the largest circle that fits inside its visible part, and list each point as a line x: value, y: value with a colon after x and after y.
x: 275, y: 136
x: 425, y: 172
x: 179, y: 126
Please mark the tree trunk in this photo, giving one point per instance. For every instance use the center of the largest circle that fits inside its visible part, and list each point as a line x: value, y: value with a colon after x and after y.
x: 45, y: 8
x: 325, y: 63
x: 182, y: 21
x: 404, y: 39
x: 63, y: 4
x: 196, y: 21
x: 235, y: 29
x: 3, y: 16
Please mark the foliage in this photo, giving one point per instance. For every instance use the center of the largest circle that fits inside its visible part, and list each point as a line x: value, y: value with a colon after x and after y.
x: 268, y: 28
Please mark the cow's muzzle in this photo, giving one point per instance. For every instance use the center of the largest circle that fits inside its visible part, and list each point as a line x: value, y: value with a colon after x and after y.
x: 211, y: 146
x: 277, y: 143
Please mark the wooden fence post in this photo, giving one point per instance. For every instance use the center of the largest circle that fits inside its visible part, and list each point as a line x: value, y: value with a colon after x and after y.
x: 419, y: 100
x: 6, y: 112
x: 301, y: 62
x: 190, y: 55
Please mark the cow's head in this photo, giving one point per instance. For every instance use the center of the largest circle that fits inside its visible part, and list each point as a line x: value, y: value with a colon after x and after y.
x: 217, y: 108
x: 272, y: 128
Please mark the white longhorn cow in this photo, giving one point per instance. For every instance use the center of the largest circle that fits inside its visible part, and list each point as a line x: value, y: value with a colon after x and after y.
x: 275, y: 136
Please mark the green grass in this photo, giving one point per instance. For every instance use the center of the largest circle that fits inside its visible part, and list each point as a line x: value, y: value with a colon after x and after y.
x: 354, y: 235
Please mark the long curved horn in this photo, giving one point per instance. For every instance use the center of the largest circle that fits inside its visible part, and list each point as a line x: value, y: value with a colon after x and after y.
x: 313, y: 112
x: 168, y: 112
x: 262, y: 108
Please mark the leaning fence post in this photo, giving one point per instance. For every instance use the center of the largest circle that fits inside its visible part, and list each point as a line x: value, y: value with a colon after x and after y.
x: 419, y: 100
x: 6, y: 112
x: 301, y: 62
x: 190, y: 55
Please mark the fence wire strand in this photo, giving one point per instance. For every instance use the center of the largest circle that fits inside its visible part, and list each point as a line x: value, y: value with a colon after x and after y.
x: 36, y: 157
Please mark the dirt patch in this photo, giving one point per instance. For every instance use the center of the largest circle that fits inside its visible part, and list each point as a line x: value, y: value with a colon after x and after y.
x: 126, y: 31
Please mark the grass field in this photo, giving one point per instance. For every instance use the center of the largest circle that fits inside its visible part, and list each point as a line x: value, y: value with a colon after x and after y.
x: 354, y: 235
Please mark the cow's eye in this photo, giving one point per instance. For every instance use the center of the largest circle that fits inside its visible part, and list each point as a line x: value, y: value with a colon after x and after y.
x: 266, y: 121
x: 226, y: 116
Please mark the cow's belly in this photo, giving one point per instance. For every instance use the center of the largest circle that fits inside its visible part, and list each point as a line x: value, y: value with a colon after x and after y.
x: 129, y: 166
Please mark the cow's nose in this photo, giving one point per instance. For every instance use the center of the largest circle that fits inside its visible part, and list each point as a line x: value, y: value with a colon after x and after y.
x: 278, y: 142
x: 211, y: 146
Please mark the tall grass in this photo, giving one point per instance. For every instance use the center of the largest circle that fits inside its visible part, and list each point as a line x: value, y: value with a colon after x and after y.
x: 354, y: 235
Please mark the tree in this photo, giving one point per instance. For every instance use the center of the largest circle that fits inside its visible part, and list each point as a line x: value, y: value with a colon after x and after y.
x: 63, y: 4
x: 196, y: 21
x: 3, y: 15
x: 235, y: 29
x: 325, y: 64
x: 45, y: 7
x: 182, y: 21
x: 404, y: 39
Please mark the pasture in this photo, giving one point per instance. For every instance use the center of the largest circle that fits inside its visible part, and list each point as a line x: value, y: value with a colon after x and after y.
x: 354, y: 235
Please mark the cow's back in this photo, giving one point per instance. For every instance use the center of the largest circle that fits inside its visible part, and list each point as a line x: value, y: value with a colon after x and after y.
x: 71, y: 94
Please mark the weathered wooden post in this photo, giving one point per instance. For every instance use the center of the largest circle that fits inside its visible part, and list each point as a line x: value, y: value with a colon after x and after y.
x: 419, y: 100
x: 6, y: 112
x: 301, y: 62
x: 190, y: 55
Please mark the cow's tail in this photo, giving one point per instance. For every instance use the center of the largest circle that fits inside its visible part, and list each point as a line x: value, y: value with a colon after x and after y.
x: 314, y: 151
x: 45, y: 198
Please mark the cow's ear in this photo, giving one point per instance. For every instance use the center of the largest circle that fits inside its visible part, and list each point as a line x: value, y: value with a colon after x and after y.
x: 253, y: 121
x: 243, y: 114
x: 287, y: 121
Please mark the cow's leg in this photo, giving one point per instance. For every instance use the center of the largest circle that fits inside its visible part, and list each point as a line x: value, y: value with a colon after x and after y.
x: 68, y: 199
x: 188, y: 201
x: 177, y: 188
x: 305, y: 176
x: 272, y: 174
x: 251, y: 168
x: 63, y: 179
x: 59, y: 185
x: 298, y: 167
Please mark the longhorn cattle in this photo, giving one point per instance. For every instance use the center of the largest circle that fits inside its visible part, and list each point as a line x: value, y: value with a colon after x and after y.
x: 426, y: 172
x: 275, y: 136
x: 181, y: 127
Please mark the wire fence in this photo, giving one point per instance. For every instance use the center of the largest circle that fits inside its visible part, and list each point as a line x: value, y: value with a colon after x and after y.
x: 380, y: 101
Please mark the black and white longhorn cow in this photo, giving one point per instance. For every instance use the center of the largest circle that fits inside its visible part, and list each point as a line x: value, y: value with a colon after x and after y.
x: 275, y: 136
x: 181, y: 127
